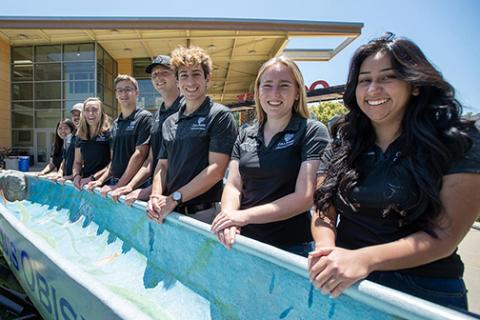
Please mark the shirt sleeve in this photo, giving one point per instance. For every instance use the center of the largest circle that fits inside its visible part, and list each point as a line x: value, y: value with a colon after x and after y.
x: 315, y: 140
x: 108, y: 137
x: 112, y: 137
x: 470, y: 162
x: 144, y: 127
x: 236, y: 153
x: 162, y: 153
x: 223, y: 133
x: 325, y: 159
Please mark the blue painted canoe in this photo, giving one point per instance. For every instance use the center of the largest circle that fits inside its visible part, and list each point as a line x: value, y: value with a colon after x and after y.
x: 81, y: 256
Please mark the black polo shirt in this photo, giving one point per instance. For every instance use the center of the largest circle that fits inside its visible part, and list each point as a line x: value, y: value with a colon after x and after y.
x: 187, y: 140
x: 127, y: 134
x: 270, y: 172
x: 95, y: 153
x: 156, y: 133
x: 385, y: 180
x: 68, y: 154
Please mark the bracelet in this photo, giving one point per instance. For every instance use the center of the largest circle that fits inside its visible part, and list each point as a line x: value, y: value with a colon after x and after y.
x: 75, y: 175
x: 92, y: 177
x: 155, y: 196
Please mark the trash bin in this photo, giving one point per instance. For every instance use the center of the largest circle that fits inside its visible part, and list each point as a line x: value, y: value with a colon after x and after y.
x: 24, y: 163
x: 11, y: 163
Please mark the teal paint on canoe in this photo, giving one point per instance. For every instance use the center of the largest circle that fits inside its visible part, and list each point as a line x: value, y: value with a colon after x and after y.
x: 108, y: 261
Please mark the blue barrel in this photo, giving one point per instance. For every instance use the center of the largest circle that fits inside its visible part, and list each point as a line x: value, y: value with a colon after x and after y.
x: 24, y: 163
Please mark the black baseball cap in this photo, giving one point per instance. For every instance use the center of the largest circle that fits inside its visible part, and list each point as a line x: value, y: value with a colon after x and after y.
x: 159, y: 60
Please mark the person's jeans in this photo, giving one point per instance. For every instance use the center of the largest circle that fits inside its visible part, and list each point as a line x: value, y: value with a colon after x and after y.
x: 448, y: 292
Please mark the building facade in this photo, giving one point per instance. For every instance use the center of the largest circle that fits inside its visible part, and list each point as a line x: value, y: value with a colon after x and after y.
x: 47, y: 64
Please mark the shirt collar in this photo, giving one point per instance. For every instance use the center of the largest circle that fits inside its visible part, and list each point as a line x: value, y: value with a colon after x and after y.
x: 293, y: 125
x: 394, y: 149
x: 175, y: 105
x: 130, y: 117
x: 203, y: 110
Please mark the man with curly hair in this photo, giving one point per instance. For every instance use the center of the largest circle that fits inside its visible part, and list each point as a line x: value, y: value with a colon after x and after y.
x: 196, y: 146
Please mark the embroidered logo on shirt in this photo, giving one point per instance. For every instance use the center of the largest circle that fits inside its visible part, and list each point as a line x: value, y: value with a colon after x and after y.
x: 200, y: 124
x: 131, y: 126
x: 287, y: 141
x: 101, y: 138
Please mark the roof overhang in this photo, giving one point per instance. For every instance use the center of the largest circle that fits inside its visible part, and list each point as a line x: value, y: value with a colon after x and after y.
x: 238, y: 47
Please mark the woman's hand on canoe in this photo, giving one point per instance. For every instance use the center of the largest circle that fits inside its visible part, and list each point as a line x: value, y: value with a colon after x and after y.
x: 334, y: 269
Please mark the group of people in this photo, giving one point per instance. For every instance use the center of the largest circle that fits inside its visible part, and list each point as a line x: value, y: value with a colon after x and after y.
x: 387, y: 196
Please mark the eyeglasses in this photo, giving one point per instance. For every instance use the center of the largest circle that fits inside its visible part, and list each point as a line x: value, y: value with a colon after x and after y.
x: 126, y: 90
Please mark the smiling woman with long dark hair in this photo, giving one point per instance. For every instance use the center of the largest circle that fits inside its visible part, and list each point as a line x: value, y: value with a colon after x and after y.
x: 402, y: 173
x: 56, y: 155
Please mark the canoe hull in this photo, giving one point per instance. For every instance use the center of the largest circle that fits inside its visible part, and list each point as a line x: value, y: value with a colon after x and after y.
x: 81, y: 256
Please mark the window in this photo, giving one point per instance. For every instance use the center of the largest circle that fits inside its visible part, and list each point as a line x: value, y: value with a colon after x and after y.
x: 22, y: 55
x: 79, y: 90
x: 22, y: 115
x: 79, y: 52
x: 47, y: 80
x: 48, y: 53
x: 78, y: 71
x: 22, y: 91
x: 48, y: 71
x: 47, y: 118
x: 22, y: 72
x: 22, y: 138
x: 48, y: 90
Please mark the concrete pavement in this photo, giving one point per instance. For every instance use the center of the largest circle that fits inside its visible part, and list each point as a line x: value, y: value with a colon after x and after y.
x: 469, y: 250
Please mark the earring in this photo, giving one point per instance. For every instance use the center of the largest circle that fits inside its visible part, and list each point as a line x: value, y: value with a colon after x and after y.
x: 415, y: 91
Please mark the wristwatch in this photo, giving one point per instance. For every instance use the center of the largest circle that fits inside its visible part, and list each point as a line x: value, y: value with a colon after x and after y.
x: 177, y: 197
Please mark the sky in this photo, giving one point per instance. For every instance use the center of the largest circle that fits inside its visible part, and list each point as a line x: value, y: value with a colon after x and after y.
x: 448, y: 31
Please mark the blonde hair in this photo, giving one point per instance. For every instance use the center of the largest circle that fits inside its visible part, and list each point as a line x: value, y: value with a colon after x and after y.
x: 300, y: 105
x: 126, y: 77
x: 103, y: 124
x: 191, y: 56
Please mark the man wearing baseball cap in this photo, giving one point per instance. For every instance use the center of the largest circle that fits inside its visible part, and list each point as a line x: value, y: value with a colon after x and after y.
x: 196, y: 145
x: 164, y: 81
x: 76, y: 112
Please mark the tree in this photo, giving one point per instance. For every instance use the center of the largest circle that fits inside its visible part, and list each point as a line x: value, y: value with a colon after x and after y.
x: 324, y: 111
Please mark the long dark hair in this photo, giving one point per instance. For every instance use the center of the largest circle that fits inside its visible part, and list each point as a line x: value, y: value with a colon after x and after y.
x: 431, y: 130
x: 58, y: 142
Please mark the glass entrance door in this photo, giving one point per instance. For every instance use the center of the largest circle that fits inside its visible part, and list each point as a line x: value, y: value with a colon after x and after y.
x: 43, y: 144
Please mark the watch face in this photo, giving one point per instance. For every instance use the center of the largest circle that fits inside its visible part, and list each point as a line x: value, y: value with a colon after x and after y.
x: 177, y: 196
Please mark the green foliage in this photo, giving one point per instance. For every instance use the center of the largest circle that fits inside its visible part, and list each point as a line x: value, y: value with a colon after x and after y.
x: 325, y: 111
